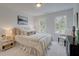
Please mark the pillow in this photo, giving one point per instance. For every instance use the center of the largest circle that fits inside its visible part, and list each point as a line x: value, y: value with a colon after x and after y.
x: 31, y: 33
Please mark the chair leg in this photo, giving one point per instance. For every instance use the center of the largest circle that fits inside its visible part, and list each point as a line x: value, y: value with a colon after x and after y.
x: 58, y: 39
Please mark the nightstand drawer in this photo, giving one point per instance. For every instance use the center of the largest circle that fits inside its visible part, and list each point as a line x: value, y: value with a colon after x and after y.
x: 6, y: 45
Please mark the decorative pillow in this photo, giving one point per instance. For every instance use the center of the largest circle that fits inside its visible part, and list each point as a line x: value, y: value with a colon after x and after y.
x: 31, y: 33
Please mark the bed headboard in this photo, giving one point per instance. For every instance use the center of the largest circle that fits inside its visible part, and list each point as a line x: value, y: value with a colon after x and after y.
x: 15, y: 31
x: 18, y: 31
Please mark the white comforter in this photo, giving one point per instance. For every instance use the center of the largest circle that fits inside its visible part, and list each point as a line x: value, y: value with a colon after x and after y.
x: 38, y: 42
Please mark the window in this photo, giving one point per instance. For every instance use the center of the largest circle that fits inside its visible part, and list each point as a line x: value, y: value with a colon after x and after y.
x: 60, y: 24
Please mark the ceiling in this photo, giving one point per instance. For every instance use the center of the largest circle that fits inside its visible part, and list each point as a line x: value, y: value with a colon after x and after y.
x: 31, y: 9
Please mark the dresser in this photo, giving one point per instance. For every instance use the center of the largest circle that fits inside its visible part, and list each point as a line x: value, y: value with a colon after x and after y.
x: 72, y: 50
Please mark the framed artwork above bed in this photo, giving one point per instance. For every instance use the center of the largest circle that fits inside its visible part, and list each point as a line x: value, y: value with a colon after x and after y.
x: 22, y: 20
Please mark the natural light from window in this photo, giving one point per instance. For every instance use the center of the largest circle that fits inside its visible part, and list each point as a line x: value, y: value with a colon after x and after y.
x: 60, y: 24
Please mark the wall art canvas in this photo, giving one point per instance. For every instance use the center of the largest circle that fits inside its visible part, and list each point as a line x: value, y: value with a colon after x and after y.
x: 21, y: 20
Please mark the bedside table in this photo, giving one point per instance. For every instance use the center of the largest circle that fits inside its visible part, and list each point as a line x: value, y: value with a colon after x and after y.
x: 6, y: 44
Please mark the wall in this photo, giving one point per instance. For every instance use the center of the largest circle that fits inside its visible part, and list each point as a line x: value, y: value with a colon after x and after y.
x: 50, y: 22
x: 8, y: 18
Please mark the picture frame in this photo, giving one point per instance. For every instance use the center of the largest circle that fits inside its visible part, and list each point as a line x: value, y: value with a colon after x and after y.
x: 22, y: 20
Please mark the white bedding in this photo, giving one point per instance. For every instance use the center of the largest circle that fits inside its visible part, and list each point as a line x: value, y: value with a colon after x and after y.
x: 38, y: 42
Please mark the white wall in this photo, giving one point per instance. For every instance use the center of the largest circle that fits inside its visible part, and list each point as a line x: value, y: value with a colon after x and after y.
x: 50, y: 21
x: 8, y: 18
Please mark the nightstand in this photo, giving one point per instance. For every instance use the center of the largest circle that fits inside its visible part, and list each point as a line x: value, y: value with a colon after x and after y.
x: 6, y: 44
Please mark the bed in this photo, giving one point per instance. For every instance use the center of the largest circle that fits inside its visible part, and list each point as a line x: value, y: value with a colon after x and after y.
x: 36, y: 42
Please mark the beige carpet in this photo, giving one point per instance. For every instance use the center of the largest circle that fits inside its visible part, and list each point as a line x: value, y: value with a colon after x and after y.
x: 56, y: 49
